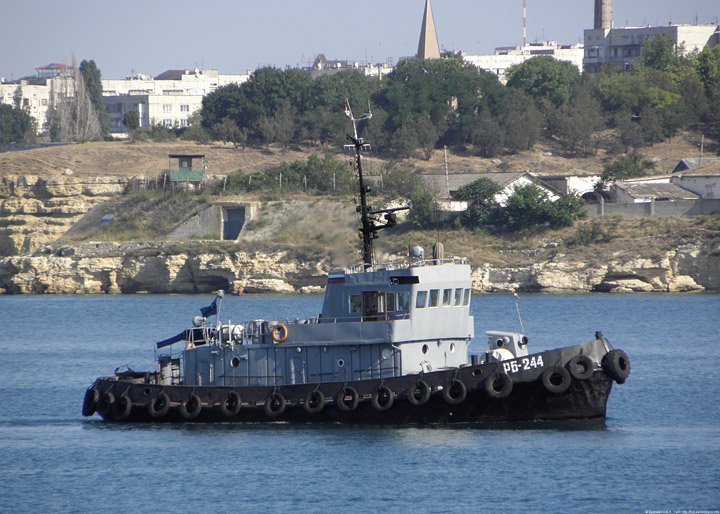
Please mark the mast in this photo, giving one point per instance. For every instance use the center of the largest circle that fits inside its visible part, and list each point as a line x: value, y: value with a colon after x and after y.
x: 368, y: 217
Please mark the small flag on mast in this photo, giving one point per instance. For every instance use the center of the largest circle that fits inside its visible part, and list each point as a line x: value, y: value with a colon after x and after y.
x: 210, y: 310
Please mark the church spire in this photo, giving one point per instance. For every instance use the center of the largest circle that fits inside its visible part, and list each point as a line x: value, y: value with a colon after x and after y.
x: 428, y: 47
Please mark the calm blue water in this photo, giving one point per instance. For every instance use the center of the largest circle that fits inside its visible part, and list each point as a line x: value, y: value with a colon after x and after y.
x: 658, y: 449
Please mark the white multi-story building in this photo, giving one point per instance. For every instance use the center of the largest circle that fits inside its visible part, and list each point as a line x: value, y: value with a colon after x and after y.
x: 623, y: 46
x: 507, y: 56
x: 168, y: 99
x: 35, y: 94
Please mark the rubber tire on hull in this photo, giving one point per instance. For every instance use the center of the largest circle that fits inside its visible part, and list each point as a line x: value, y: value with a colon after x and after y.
x: 191, y: 408
x: 383, y: 398
x: 556, y: 379
x: 231, y: 404
x: 314, y: 402
x: 459, y: 394
x: 275, y: 404
x: 90, y: 402
x: 159, y: 406
x: 506, y: 386
x: 105, y: 404
x: 121, y: 408
x: 581, y: 367
x: 348, y: 391
x: 424, y: 389
x: 616, y: 364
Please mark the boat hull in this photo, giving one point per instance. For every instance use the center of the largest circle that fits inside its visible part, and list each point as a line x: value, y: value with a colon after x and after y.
x: 524, y: 389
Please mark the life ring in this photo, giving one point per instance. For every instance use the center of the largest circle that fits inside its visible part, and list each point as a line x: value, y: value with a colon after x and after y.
x: 189, y: 346
x: 190, y: 408
x: 498, y: 385
x: 455, y: 392
x: 105, y: 404
x: 275, y: 404
x: 159, y: 405
x: 616, y: 364
x: 90, y: 401
x: 348, y: 391
x: 279, y: 328
x: 230, y: 405
x: 581, y: 367
x: 314, y: 401
x: 556, y: 379
x: 383, y: 398
x: 424, y: 389
x: 121, y: 408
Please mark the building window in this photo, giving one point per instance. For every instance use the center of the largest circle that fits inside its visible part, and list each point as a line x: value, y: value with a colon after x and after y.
x: 167, y: 107
x: 168, y: 123
x: 184, y: 108
x: 184, y: 123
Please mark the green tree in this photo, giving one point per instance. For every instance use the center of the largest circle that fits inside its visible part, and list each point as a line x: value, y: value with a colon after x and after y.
x: 526, y: 207
x: 577, y: 122
x: 624, y: 167
x: 544, y: 76
x: 423, y: 211
x: 564, y: 211
x: 480, y: 195
x: 16, y: 125
x: 131, y: 120
x: 93, y: 86
x: 226, y: 130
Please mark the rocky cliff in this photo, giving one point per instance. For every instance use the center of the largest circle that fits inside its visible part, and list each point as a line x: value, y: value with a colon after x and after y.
x: 35, y: 211
x: 153, y: 268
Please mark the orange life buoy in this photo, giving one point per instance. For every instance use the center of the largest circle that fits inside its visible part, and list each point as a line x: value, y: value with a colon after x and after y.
x: 279, y: 333
x: 190, y: 346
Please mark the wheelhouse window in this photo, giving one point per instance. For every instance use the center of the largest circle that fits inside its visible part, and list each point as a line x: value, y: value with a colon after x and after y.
x: 420, y: 299
x: 374, y: 306
x: 434, y: 295
x: 447, y: 296
x: 390, y: 300
x: 466, y: 298
x: 403, y: 301
x: 355, y: 304
x: 458, y: 297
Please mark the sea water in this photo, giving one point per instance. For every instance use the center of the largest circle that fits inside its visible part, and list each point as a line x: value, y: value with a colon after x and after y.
x: 658, y: 449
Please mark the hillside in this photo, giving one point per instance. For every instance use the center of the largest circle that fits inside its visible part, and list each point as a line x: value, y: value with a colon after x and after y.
x: 122, y: 159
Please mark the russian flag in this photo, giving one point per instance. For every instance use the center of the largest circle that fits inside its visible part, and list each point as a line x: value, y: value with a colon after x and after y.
x: 336, y: 279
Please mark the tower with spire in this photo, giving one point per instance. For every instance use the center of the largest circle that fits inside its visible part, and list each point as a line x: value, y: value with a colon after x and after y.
x: 428, y: 47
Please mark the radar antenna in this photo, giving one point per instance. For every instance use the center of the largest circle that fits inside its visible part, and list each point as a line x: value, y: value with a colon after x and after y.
x: 369, y: 228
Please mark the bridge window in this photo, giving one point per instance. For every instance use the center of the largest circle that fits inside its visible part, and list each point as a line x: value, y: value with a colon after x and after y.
x: 421, y: 299
x: 403, y: 301
x: 390, y: 299
x: 447, y: 295
x: 458, y: 297
x: 374, y: 306
x: 466, y: 298
x: 434, y: 294
x: 355, y: 304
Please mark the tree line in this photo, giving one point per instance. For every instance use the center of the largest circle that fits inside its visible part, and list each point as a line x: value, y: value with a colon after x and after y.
x: 425, y: 104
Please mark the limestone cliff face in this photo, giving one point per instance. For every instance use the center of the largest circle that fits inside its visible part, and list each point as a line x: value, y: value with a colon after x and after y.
x: 128, y: 268
x: 691, y: 267
x: 35, y: 211
x: 124, y: 270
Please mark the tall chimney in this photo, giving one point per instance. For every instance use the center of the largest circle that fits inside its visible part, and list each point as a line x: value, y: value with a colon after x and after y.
x: 603, y: 14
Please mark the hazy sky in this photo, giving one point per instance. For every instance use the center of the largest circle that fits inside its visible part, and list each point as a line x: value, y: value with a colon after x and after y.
x: 152, y: 36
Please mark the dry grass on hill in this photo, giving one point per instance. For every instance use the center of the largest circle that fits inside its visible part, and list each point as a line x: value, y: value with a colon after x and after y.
x: 130, y: 159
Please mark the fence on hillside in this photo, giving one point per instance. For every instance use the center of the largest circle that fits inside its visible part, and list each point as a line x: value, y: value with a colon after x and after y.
x: 649, y: 209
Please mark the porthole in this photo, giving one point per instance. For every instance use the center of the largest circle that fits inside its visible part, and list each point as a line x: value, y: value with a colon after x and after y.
x: 341, y: 363
x: 234, y: 362
x: 386, y: 353
x: 425, y: 349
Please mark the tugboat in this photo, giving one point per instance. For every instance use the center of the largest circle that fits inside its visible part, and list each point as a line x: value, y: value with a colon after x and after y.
x: 389, y: 347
